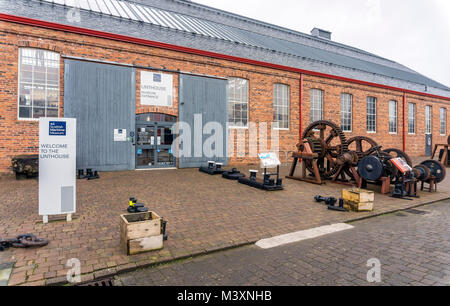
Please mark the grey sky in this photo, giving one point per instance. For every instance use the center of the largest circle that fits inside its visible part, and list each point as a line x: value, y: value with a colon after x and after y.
x: 415, y: 33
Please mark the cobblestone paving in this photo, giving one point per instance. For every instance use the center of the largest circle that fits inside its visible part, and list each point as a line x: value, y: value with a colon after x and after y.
x: 205, y: 214
x: 413, y: 250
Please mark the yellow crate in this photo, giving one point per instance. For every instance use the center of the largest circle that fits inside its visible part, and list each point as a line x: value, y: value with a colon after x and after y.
x: 357, y: 195
x: 361, y: 206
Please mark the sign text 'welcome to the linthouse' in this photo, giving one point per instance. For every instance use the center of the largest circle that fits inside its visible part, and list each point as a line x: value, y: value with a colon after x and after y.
x: 55, y: 150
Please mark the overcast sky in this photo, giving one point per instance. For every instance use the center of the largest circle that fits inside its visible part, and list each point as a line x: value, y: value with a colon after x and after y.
x: 415, y: 33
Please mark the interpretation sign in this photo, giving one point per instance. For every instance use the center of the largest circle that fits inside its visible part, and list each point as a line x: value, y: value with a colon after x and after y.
x: 156, y: 89
x: 57, y: 167
x: 269, y: 160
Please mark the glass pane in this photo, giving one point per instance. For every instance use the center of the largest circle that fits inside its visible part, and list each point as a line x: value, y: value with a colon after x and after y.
x: 24, y: 112
x: 52, y: 97
x: 146, y: 157
x: 25, y: 94
x: 52, y: 78
x: 39, y: 96
x: 39, y: 74
x: 52, y: 112
x: 26, y: 73
x: 166, y: 136
x: 146, y: 136
x: 165, y: 158
x: 38, y: 112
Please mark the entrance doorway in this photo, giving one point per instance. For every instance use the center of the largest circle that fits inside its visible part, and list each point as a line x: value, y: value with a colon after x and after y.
x: 154, y: 141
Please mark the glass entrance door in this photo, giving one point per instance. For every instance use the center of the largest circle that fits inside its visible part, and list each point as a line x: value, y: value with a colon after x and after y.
x: 154, y: 145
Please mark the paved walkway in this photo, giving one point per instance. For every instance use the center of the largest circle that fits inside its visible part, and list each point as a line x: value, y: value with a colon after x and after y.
x: 205, y: 214
x: 412, y: 249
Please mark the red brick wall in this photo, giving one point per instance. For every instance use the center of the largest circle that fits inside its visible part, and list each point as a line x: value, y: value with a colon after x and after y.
x: 18, y: 136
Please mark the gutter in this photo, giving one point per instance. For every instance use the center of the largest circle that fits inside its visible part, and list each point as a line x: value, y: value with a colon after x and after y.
x: 144, y: 42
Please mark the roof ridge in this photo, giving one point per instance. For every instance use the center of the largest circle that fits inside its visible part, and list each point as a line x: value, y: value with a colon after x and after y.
x: 273, y: 26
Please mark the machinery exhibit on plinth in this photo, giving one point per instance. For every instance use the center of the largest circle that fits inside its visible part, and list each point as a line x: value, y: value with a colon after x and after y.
x: 326, y: 154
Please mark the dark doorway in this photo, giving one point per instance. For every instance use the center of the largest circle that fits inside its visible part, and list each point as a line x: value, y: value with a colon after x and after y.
x: 154, y: 141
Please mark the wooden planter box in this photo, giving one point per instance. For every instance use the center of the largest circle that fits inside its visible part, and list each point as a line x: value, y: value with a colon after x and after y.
x: 358, y: 199
x: 140, y: 232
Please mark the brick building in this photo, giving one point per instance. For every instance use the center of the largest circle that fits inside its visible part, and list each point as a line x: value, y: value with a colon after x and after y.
x: 99, y: 61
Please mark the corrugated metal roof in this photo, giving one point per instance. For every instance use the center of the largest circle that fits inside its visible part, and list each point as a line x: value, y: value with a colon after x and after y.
x: 175, y: 26
x: 154, y: 16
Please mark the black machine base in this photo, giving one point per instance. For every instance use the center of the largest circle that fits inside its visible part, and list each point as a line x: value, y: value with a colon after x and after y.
x: 267, y: 183
x: 257, y: 183
x: 234, y: 174
x: 210, y: 171
x: 213, y: 168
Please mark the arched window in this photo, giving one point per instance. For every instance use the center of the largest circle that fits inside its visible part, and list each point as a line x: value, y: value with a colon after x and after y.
x: 38, y: 83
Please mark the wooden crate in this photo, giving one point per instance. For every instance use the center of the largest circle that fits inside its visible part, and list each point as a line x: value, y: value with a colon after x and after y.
x: 140, y: 232
x: 358, y: 195
x: 358, y: 199
x: 355, y: 206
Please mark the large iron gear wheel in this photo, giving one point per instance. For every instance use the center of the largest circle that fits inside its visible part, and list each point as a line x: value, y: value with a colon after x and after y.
x: 334, y: 144
x: 361, y: 143
x: 399, y: 153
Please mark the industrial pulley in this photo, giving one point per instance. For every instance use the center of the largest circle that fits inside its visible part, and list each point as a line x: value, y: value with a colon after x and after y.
x: 436, y: 168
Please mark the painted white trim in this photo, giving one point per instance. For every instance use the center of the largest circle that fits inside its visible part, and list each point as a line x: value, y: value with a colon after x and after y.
x: 302, y: 235
x: 238, y: 127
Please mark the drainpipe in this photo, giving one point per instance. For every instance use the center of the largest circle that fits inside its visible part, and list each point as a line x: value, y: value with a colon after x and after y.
x: 404, y: 122
x: 301, y: 107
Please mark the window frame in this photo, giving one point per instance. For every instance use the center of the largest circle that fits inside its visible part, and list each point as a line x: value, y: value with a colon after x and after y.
x: 414, y: 119
x: 367, y: 115
x: 288, y: 106
x: 232, y: 125
x: 396, y: 117
x: 343, y: 113
x: 443, y: 121
x: 311, y: 109
x: 32, y: 84
x: 428, y: 120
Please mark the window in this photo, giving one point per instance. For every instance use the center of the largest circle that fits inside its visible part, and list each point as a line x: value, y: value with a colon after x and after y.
x: 412, y: 118
x: 443, y: 116
x: 393, y: 117
x: 238, y: 102
x: 428, y: 120
x: 38, y: 83
x: 316, y: 105
x: 281, y: 105
x: 371, y: 114
x: 346, y: 112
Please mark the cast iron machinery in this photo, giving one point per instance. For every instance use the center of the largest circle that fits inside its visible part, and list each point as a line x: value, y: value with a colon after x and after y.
x: 324, y: 154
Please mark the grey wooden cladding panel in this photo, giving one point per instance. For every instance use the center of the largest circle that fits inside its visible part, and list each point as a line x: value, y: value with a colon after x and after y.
x: 102, y: 98
x: 208, y: 97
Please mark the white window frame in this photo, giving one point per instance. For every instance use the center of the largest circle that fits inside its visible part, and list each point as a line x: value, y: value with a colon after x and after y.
x: 369, y: 100
x: 281, y: 93
x: 393, y: 116
x: 428, y: 120
x: 346, y: 116
x: 316, y: 97
x: 242, y: 101
x: 413, y: 120
x: 19, y: 82
x: 443, y: 121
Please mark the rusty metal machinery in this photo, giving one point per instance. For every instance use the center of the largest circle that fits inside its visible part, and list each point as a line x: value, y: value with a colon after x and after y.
x: 324, y: 154
x: 329, y: 142
x: 26, y: 165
